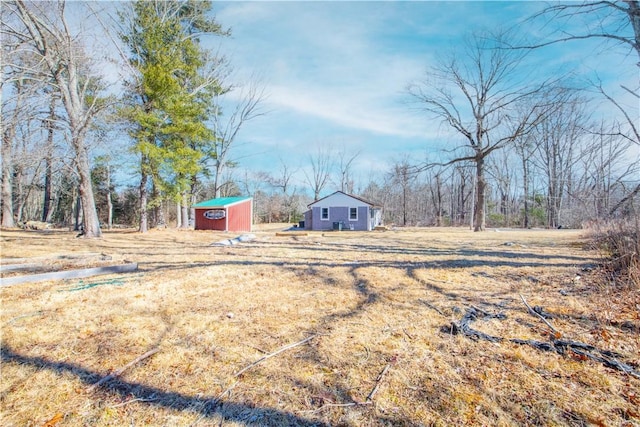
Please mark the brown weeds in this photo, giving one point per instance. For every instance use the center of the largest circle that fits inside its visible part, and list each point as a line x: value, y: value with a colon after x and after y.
x: 619, y: 243
x: 377, y: 304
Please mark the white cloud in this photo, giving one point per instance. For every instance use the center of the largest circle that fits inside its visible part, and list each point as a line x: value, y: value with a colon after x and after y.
x: 336, y: 71
x: 351, y: 110
x: 329, y: 61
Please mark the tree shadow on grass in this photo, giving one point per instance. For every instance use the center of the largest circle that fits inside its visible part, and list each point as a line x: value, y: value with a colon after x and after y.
x: 416, y: 249
x: 461, y: 261
x: 207, y: 407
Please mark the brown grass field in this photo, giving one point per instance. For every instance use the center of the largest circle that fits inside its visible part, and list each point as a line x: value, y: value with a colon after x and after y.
x: 377, y: 309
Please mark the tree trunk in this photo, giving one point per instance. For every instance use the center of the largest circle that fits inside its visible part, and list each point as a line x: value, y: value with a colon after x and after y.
x: 439, y: 199
x: 481, y: 185
x: 7, y: 187
x: 76, y: 213
x: 525, y: 189
x: 109, y: 202
x: 193, y: 199
x: 184, y: 212
x: 47, y: 210
x: 404, y: 206
x: 161, y: 221
x: 552, y: 214
x: 157, y: 217
x: 624, y: 200
x: 21, y: 194
x: 90, y: 218
x: 144, y: 196
x: 216, y: 178
x: 178, y: 215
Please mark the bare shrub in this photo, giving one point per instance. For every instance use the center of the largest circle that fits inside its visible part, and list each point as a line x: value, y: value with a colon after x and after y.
x: 618, y: 241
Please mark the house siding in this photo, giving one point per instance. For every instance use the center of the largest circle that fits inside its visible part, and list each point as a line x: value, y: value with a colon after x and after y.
x: 317, y: 223
x: 338, y: 205
x: 363, y: 219
x: 339, y: 214
x: 308, y: 219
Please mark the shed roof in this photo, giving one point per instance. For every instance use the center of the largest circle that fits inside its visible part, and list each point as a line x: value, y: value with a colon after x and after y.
x: 221, y: 202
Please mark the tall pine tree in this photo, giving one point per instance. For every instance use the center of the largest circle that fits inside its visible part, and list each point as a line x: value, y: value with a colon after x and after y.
x: 171, y: 94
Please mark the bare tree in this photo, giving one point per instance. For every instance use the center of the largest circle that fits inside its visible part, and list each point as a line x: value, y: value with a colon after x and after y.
x: 9, y: 124
x: 616, y: 22
x: 47, y: 210
x: 345, y: 164
x: 15, y: 83
x: 604, y: 170
x: 252, y: 185
x: 462, y: 194
x: 318, y: 178
x: 611, y: 20
x: 404, y: 174
x: 25, y: 118
x: 502, y: 172
x: 557, y: 140
x: 283, y: 182
x: 226, y: 128
x: 525, y: 149
x: 475, y: 93
x: 48, y: 35
x: 437, y: 193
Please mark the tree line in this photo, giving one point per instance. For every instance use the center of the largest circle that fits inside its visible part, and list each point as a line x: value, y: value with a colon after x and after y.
x: 526, y: 149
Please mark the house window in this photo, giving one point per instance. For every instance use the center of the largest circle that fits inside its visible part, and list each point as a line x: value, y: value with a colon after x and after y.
x: 353, y: 214
x: 324, y: 213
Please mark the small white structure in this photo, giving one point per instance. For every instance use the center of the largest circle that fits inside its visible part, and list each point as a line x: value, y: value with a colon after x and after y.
x: 342, y: 211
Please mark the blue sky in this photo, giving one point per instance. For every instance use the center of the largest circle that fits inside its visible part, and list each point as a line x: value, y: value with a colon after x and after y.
x: 335, y: 74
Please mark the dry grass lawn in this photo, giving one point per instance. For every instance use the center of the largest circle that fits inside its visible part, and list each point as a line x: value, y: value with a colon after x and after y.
x: 378, y: 308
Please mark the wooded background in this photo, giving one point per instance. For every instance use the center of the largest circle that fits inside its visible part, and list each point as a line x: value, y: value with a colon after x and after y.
x: 532, y: 153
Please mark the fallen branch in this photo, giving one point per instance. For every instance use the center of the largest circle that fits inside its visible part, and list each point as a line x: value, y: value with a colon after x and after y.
x: 337, y: 405
x: 368, y: 401
x: 484, y: 312
x: 584, y: 351
x: 563, y: 347
x: 138, y: 399
x: 535, y: 313
x: 408, y: 334
x: 378, y: 380
x: 462, y: 327
x: 124, y: 368
x: 270, y: 355
x: 432, y: 307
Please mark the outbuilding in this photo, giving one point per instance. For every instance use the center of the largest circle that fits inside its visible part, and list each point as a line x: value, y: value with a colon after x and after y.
x: 224, y: 214
x: 342, y: 211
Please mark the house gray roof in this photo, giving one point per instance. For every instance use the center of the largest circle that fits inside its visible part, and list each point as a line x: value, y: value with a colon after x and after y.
x: 342, y: 192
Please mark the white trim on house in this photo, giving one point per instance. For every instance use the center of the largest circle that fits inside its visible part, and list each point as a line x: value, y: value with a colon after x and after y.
x: 351, y: 218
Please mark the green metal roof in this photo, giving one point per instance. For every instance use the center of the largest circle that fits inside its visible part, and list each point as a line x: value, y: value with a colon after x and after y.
x: 221, y: 202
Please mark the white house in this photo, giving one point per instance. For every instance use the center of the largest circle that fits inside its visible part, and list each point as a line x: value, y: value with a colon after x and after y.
x: 342, y: 211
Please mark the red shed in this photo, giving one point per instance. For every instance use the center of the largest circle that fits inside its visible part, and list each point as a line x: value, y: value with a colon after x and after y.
x: 224, y: 214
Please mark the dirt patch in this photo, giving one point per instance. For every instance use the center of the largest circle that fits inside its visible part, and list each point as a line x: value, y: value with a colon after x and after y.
x: 379, y: 306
